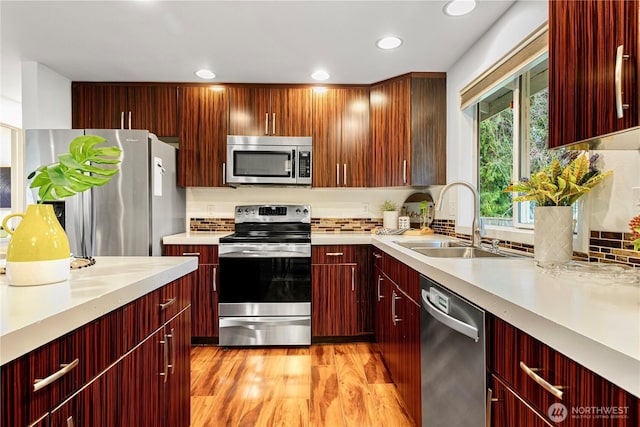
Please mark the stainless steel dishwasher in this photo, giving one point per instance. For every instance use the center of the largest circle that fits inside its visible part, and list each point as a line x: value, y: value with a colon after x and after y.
x: 453, y: 363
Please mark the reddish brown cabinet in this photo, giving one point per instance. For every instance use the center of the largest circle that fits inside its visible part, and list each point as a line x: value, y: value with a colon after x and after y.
x: 408, y: 130
x: 203, y: 136
x: 517, y: 360
x: 270, y: 110
x: 397, y: 323
x: 341, y: 137
x: 204, y: 288
x: 150, y: 106
x: 584, y: 38
x: 112, y: 365
x: 339, y: 280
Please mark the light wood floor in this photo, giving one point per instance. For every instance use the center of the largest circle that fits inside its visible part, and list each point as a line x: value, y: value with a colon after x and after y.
x: 324, y: 385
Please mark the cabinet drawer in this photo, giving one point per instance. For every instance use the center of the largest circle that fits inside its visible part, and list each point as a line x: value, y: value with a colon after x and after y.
x: 207, y: 254
x: 334, y: 254
x: 406, y: 278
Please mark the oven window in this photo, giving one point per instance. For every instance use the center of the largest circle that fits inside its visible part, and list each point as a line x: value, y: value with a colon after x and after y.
x: 262, y: 163
x: 265, y: 280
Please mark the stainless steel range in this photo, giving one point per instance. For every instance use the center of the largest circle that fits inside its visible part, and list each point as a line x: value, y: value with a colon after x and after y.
x: 265, y: 277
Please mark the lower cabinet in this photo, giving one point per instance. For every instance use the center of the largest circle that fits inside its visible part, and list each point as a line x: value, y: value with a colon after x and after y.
x: 397, y: 327
x: 204, y: 288
x: 340, y: 300
x: 130, y: 367
x: 508, y: 409
x: 550, y: 385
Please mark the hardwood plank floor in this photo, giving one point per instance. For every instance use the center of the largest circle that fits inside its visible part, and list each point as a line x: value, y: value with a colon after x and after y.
x: 328, y: 385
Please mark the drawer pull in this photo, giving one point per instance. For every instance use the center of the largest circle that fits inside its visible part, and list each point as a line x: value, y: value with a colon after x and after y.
x: 66, y: 368
x: 334, y: 254
x: 70, y: 421
x: 190, y: 253
x: 168, y: 303
x: 554, y: 390
x: 377, y: 256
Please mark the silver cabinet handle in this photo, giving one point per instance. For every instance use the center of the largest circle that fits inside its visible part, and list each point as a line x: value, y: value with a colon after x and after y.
x: 377, y: 256
x: 39, y: 383
x: 224, y: 174
x: 489, y: 404
x: 353, y: 279
x: 215, y: 285
x: 334, y: 253
x: 190, y: 253
x: 394, y: 298
x: 344, y: 174
x: 165, y: 349
x: 338, y: 174
x: 266, y: 123
x: 168, y: 303
x: 172, y: 365
x: 121, y: 119
x: 273, y: 124
x: 129, y: 119
x: 445, y: 319
x: 554, y: 390
x: 404, y: 171
x: 620, y: 56
x: 380, y: 279
x: 70, y: 421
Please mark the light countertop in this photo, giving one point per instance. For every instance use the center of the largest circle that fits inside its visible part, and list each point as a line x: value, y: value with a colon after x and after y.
x: 595, y: 322
x: 31, y: 316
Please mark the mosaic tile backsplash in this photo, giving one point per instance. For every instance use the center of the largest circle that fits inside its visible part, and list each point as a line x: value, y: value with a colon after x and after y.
x: 604, y: 246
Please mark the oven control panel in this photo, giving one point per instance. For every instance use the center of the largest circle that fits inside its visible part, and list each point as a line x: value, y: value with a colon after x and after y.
x: 273, y: 213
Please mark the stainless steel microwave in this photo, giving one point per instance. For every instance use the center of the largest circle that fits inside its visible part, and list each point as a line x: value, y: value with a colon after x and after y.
x: 269, y: 160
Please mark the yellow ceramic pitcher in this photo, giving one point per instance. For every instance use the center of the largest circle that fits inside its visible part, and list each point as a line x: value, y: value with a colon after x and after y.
x: 38, y: 252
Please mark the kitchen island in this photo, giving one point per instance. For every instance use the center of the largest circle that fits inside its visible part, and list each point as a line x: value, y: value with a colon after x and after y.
x: 84, y: 350
x: 592, y: 321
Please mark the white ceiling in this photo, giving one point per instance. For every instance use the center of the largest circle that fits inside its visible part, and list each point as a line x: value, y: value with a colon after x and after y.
x: 241, y: 41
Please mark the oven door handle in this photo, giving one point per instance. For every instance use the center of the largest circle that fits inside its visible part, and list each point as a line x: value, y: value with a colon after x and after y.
x: 256, y: 322
x: 255, y: 253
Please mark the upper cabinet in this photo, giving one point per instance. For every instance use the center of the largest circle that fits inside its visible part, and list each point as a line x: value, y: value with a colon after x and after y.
x: 341, y: 137
x: 408, y: 131
x: 274, y: 111
x: 593, y: 69
x: 124, y: 106
x: 203, y: 136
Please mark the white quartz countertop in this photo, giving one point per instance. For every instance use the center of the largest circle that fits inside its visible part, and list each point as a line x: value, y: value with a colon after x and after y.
x: 34, y: 315
x: 595, y: 322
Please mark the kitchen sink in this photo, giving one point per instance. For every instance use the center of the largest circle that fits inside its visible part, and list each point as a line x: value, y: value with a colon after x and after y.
x: 429, y: 244
x: 458, y: 252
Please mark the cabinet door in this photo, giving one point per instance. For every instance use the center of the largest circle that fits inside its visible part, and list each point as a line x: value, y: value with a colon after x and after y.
x: 334, y: 300
x: 95, y: 405
x: 583, y: 42
x: 390, y: 125
x: 355, y: 148
x: 509, y: 410
x: 154, y: 108
x: 98, y: 106
x: 249, y: 112
x: 205, y: 301
x: 408, y: 375
x: 203, y: 137
x: 327, y: 137
x: 290, y: 112
x: 177, y: 397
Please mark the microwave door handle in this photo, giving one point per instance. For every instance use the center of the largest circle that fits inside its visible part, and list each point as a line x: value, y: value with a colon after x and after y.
x: 293, y: 163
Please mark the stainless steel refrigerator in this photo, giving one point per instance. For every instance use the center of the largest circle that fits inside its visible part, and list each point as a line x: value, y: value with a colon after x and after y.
x: 129, y: 215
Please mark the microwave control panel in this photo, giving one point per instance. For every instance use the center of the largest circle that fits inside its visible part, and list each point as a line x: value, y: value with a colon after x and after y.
x: 305, y: 164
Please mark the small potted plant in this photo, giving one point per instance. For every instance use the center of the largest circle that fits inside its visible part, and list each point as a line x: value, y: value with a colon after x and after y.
x: 389, y: 214
x: 38, y: 252
x: 554, y: 190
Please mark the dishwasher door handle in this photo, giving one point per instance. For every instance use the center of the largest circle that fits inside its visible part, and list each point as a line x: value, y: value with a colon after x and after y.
x: 453, y: 323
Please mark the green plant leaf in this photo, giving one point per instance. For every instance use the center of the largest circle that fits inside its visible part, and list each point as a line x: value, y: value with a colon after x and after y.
x: 75, y: 171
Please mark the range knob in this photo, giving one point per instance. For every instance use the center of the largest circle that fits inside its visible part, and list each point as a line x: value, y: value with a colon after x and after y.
x: 298, y: 211
x: 305, y: 211
x: 246, y: 211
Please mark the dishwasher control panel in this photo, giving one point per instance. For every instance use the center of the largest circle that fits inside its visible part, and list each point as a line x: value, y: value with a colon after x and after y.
x: 439, y: 299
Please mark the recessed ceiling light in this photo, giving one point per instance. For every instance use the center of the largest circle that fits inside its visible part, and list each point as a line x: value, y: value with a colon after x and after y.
x: 206, y: 74
x: 320, y: 75
x: 459, y: 7
x: 389, y: 42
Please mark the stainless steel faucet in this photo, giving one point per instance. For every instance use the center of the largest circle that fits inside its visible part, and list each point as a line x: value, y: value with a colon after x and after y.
x: 477, y: 232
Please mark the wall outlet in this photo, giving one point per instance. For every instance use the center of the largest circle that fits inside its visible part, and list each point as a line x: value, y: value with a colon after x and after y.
x: 636, y: 200
x: 211, y: 210
x: 365, y: 208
